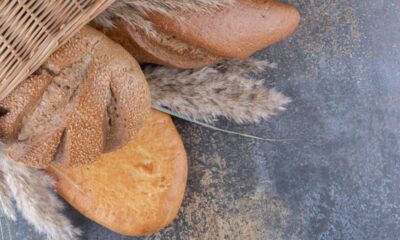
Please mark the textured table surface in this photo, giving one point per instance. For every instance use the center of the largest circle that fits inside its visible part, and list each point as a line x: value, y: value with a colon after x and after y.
x: 339, y: 178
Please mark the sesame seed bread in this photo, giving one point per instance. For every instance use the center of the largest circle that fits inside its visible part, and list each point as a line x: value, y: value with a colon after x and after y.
x: 89, y: 97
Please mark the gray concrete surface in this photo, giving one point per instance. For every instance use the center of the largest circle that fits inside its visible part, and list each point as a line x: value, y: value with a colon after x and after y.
x: 339, y: 178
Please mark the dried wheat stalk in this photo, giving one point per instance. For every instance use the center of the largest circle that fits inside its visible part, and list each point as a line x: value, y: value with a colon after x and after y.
x: 5, y: 198
x: 35, y: 198
x: 225, y: 89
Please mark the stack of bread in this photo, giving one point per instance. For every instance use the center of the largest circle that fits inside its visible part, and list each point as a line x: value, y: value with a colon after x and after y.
x: 85, y: 116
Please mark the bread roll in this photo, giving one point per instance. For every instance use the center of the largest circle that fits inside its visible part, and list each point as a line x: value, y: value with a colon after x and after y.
x: 135, y: 190
x: 190, y: 40
x: 89, y: 97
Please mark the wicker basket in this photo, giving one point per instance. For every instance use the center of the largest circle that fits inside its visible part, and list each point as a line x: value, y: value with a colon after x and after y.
x: 30, y: 30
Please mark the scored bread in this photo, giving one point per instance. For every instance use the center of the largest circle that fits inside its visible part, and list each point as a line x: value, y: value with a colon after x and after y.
x: 89, y: 97
x: 195, y: 39
x: 135, y: 190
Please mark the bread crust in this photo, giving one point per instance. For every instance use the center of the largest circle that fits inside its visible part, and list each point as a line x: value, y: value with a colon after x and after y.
x: 235, y: 32
x: 62, y: 113
x: 195, y: 39
x: 158, y: 48
x: 136, y: 190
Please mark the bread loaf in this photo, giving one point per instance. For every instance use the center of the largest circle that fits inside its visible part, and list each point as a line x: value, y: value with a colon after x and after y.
x: 190, y: 40
x: 89, y: 97
x: 135, y: 190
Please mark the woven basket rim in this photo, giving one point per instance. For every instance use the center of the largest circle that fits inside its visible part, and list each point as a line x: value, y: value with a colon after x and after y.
x: 30, y: 31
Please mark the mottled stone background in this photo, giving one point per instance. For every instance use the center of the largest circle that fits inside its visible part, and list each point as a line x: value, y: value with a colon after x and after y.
x: 339, y: 178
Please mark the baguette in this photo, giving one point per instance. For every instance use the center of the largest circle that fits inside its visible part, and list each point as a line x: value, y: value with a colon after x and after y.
x: 192, y: 39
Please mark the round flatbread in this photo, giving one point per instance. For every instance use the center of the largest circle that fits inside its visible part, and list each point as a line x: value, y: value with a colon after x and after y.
x: 135, y: 190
